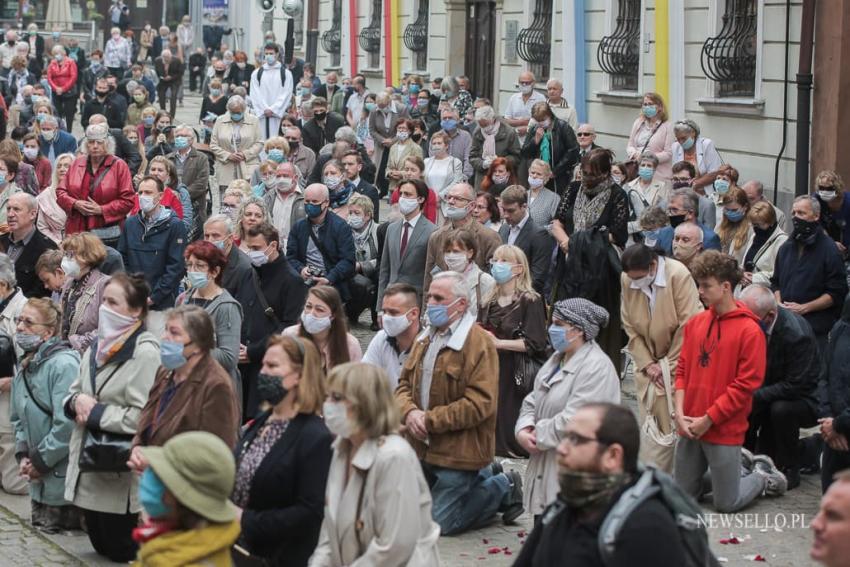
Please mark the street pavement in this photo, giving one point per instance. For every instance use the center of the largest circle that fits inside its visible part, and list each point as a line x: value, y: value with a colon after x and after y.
x: 774, y: 529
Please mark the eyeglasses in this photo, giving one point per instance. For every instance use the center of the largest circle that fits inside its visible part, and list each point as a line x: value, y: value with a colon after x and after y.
x: 577, y: 439
x: 454, y: 198
x: 197, y: 266
x: 29, y: 322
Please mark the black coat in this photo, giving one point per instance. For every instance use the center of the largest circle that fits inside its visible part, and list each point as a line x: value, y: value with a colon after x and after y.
x: 28, y: 280
x: 126, y: 150
x: 286, y: 502
x: 239, y: 77
x: 835, y: 396
x: 793, y: 362
x: 537, y: 245
x: 315, y: 137
x: 801, y: 278
x: 114, y: 107
x: 367, y: 173
x: 174, y: 70
x: 570, y: 540
x: 237, y: 272
x: 368, y: 190
x: 564, y: 149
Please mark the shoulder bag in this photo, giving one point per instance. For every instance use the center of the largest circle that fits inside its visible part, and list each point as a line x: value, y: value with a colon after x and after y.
x: 104, y: 451
x: 526, y: 366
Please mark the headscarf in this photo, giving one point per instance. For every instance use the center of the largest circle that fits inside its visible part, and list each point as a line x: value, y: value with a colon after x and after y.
x: 582, y: 313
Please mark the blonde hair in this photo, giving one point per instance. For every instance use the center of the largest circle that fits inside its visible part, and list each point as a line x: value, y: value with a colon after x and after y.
x: 762, y: 212
x: 87, y: 248
x: 48, y: 311
x: 734, y: 234
x: 541, y: 163
x: 278, y: 142
x: 305, y: 357
x: 367, y: 389
x: 55, y: 175
x: 514, y: 255
x: 241, y: 185
x: 364, y: 203
x: 658, y: 101
x: 830, y: 177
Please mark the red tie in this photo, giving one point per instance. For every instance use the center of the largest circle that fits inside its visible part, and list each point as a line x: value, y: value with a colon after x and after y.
x: 404, y: 239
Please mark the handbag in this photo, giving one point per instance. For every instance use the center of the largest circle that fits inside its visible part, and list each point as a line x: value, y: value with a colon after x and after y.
x: 104, y: 451
x: 526, y: 366
x: 241, y: 557
x: 656, y: 446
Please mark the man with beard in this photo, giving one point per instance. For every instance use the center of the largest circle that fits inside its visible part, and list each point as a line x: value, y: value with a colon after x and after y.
x: 597, y: 460
x: 809, y: 277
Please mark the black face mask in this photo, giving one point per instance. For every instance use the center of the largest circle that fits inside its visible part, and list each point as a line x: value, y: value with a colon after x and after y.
x: 676, y: 220
x: 219, y: 73
x: 102, y: 94
x: 270, y: 388
x: 805, y: 231
x: 111, y: 88
x: 319, y: 116
x: 764, y: 232
x: 681, y: 184
x: 293, y: 146
x: 11, y: 42
x: 416, y: 137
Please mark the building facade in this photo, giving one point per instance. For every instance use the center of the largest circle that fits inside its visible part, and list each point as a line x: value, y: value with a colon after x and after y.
x: 729, y: 65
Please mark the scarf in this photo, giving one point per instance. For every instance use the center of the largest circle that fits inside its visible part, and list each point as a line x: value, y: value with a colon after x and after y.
x: 590, y: 203
x: 113, y: 330
x: 546, y: 148
x: 489, y: 133
x: 208, y: 544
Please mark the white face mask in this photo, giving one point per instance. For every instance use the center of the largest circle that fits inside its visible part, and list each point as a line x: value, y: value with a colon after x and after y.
x: 456, y: 261
x: 407, y: 205
x: 535, y: 182
x: 71, y: 267
x: 336, y: 419
x: 146, y: 203
x: 394, y: 325
x: 645, y: 281
x: 315, y: 325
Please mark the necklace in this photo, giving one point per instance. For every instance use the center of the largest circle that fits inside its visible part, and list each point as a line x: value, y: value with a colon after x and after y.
x: 706, y: 348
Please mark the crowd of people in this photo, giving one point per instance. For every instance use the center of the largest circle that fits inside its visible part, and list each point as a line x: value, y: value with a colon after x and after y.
x: 177, y: 299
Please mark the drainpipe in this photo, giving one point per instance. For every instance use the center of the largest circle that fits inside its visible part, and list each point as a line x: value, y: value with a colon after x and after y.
x: 804, y: 97
x: 312, y: 32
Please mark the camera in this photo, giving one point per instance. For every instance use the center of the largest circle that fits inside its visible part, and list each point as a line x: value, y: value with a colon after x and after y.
x: 313, y: 273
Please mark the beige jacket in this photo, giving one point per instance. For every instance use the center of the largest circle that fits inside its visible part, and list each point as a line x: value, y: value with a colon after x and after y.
x: 394, y: 501
x: 659, y: 334
x: 122, y: 401
x: 765, y: 257
x: 222, y: 147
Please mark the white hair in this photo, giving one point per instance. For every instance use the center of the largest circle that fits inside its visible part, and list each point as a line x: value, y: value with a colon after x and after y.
x: 234, y: 102
x: 223, y: 219
x: 186, y: 128
x: 760, y: 297
x: 58, y: 49
x: 459, y: 287
x: 346, y: 134
x: 50, y: 120
x: 485, y: 113
x: 813, y: 202
x: 30, y: 200
x: 7, y: 271
x: 687, y: 225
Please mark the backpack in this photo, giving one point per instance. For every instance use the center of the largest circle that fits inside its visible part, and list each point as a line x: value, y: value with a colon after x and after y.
x: 282, y: 75
x: 654, y: 483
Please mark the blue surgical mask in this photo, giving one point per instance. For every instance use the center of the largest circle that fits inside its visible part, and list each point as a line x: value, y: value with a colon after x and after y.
x: 438, y: 314
x: 688, y: 144
x: 448, y: 125
x: 148, y: 121
x: 236, y: 116
x: 270, y: 58
x: 502, y: 272
x: 219, y: 244
x: 721, y: 186
x: 650, y: 110
x: 734, y: 216
x: 276, y: 155
x: 650, y: 237
x: 28, y: 342
x: 305, y: 91
x: 456, y: 213
x: 151, y: 495
x: 356, y: 221
x: 2, y: 179
x: 171, y: 354
x: 198, y: 280
x: 215, y: 92
x: 558, y: 338
x: 646, y: 173
x: 312, y: 210
x: 371, y: 106
x: 181, y: 142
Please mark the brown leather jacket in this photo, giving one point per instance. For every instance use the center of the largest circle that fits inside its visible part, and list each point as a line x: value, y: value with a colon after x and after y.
x: 461, y: 419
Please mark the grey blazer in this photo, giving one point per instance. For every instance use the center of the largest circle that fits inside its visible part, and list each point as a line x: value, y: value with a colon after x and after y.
x: 409, y: 269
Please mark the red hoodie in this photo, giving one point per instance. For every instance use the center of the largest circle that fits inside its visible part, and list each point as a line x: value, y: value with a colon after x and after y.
x: 733, y: 371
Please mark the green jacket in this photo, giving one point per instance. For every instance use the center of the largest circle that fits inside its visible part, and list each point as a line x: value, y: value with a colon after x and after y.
x: 41, y: 435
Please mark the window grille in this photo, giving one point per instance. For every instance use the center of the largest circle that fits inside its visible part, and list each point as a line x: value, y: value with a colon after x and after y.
x: 416, y: 36
x: 729, y: 58
x: 534, y: 43
x: 619, y: 53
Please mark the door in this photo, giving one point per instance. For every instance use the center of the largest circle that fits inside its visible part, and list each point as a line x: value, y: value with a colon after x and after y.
x: 481, y: 46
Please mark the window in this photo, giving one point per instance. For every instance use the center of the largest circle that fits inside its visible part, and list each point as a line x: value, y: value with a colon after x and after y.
x: 331, y: 40
x: 729, y: 58
x: 534, y: 43
x: 370, y: 36
x: 619, y: 53
x: 416, y: 36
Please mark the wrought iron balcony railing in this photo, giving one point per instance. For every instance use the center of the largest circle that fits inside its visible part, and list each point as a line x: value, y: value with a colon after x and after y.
x: 619, y: 53
x: 729, y: 58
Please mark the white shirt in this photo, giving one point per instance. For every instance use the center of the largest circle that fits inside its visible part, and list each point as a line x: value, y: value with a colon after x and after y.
x: 412, y: 222
x: 515, y: 230
x: 518, y: 108
x: 660, y: 280
x: 355, y: 105
x: 282, y: 212
x: 383, y: 354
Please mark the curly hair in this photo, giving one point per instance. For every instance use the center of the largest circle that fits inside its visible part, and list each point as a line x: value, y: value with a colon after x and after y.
x: 717, y: 265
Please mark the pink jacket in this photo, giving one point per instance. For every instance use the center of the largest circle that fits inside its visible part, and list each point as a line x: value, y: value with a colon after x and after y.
x: 661, y: 144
